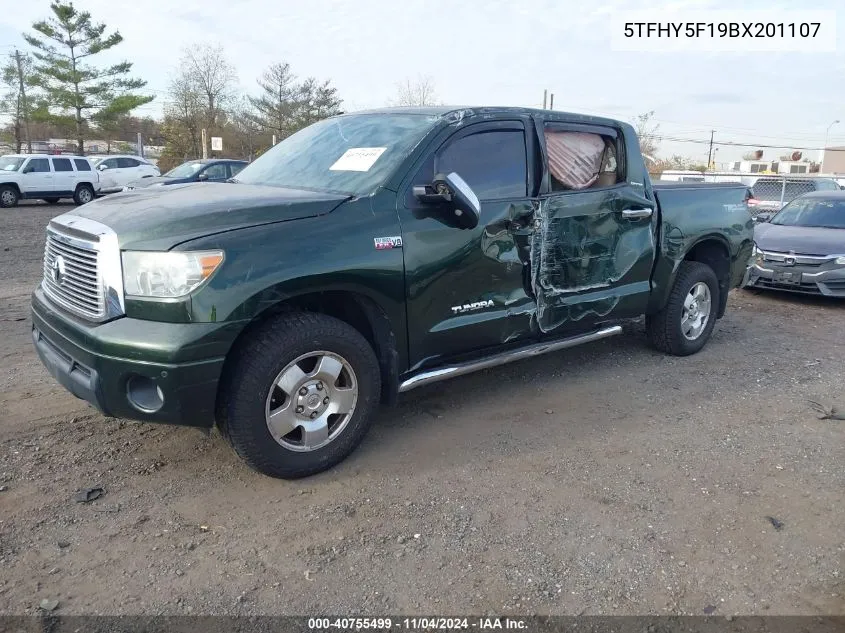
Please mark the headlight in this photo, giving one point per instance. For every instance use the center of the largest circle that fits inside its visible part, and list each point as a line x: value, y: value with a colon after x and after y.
x: 169, y: 274
x: 840, y: 260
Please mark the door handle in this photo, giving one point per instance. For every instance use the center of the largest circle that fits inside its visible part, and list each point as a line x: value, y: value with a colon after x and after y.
x: 635, y: 214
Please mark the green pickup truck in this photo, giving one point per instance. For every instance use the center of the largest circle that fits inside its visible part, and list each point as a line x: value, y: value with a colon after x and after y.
x: 369, y: 254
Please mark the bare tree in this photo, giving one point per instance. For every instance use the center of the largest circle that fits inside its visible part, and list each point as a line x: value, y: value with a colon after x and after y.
x: 647, y: 130
x: 244, y: 127
x: 210, y: 75
x: 184, y: 116
x: 420, y: 92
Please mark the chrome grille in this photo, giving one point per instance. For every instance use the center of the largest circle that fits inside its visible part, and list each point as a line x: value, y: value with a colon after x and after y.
x: 793, y: 259
x: 72, y: 275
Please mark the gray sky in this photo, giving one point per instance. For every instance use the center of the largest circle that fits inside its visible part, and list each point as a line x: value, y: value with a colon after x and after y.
x: 491, y: 52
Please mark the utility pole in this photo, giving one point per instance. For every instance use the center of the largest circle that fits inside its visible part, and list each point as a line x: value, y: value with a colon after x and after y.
x: 204, y: 144
x: 710, y: 153
x: 24, y: 110
x: 545, y: 96
x: 552, y: 102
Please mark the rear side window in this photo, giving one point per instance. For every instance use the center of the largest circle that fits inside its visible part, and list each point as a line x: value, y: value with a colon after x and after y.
x: 581, y: 160
x: 81, y: 164
x: 127, y: 162
x: 493, y: 163
x: 62, y: 164
x: 38, y: 165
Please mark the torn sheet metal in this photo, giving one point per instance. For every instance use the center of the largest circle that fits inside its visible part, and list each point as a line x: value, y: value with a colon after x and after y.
x: 581, y: 246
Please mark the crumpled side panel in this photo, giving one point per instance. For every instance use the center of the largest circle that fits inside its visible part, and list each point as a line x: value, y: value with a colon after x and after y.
x: 576, y: 252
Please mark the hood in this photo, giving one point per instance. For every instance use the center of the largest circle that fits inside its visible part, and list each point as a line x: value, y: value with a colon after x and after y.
x: 159, y: 218
x: 141, y: 183
x: 803, y: 240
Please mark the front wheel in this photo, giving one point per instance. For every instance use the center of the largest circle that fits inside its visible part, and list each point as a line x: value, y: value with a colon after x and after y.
x: 300, y: 395
x: 84, y: 194
x: 8, y: 196
x: 685, y: 324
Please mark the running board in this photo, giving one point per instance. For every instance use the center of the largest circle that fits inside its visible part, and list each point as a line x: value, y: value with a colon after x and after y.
x: 452, y: 371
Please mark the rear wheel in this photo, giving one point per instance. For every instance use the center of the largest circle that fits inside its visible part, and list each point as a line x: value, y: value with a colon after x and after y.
x: 51, y: 200
x: 684, y: 326
x: 300, y: 395
x: 8, y: 196
x: 84, y: 194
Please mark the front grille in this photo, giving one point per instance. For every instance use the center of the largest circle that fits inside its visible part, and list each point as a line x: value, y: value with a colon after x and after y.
x: 72, y: 276
x: 812, y: 261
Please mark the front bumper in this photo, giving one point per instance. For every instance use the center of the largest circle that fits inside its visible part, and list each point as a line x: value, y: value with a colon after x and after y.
x: 812, y: 280
x: 116, y: 366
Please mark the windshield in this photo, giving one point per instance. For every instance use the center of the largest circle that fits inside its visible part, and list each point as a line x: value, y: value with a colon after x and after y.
x: 351, y: 154
x: 185, y: 170
x: 10, y: 163
x: 817, y: 212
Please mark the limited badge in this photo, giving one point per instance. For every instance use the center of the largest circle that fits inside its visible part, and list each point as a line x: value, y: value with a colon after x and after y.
x: 386, y: 243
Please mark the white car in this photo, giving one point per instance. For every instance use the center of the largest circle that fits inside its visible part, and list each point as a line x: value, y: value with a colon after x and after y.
x: 46, y: 177
x: 118, y: 170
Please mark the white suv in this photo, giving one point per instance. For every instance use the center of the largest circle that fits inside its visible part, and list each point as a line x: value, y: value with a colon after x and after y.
x: 118, y: 170
x: 50, y: 178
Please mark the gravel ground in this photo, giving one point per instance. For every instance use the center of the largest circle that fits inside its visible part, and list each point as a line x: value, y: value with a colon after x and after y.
x: 607, y: 479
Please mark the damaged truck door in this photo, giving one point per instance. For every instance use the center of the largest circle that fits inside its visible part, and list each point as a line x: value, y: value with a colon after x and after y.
x: 468, y: 288
x: 594, y: 246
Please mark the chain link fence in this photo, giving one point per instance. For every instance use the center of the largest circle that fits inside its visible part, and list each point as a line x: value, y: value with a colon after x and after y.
x: 770, y: 191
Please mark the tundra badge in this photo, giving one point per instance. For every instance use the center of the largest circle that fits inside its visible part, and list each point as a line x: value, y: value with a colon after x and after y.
x: 469, y: 307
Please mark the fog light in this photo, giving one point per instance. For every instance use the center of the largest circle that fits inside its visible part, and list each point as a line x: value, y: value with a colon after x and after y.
x: 144, y: 394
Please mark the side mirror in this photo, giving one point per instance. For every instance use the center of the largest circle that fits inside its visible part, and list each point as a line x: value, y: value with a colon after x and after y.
x: 453, y: 191
x: 202, y: 177
x: 762, y: 217
x: 27, y: 169
x: 102, y: 167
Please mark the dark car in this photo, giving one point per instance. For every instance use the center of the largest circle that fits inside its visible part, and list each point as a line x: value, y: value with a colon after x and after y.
x: 802, y: 248
x: 211, y: 170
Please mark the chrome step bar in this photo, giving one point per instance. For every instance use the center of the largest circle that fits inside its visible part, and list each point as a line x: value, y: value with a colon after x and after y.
x: 452, y: 371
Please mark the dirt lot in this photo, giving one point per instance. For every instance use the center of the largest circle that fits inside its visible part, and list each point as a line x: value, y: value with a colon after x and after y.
x: 605, y: 479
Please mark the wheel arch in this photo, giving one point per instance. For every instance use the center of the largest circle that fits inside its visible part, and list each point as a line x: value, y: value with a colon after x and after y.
x: 714, y: 251
x: 14, y: 185
x: 355, y: 308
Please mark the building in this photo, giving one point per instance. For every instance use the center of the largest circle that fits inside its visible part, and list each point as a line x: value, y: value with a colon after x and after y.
x: 833, y: 160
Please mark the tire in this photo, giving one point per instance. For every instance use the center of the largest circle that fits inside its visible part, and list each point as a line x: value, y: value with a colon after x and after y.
x: 9, y: 197
x: 51, y: 200
x: 84, y: 194
x: 250, y: 392
x: 665, y: 330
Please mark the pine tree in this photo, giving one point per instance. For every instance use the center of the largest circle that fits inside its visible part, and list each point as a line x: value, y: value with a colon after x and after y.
x: 62, y: 45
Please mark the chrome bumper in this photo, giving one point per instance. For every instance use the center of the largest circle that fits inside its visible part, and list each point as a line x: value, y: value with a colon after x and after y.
x: 806, y: 280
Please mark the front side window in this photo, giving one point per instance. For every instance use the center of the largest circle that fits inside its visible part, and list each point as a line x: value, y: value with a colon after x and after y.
x: 109, y: 163
x: 492, y: 163
x: 236, y: 168
x: 125, y: 163
x: 38, y: 166
x: 581, y: 160
x: 216, y: 172
x: 62, y: 164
